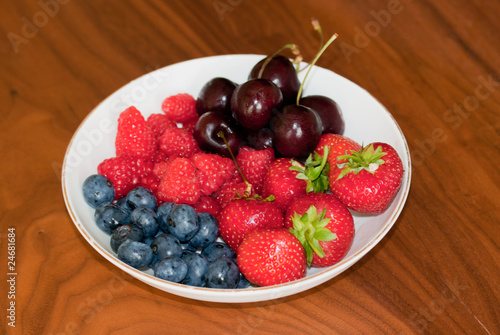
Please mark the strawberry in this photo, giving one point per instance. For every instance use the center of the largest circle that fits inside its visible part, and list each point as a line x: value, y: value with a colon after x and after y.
x: 254, y: 165
x: 207, y: 204
x: 124, y: 172
x: 212, y: 171
x: 243, y: 215
x: 179, y: 183
x: 159, y: 123
x: 231, y: 190
x: 370, y: 179
x: 323, y: 225
x: 338, y: 145
x: 178, y: 142
x: 134, y: 137
x: 271, y: 256
x: 180, y: 107
x: 282, y: 182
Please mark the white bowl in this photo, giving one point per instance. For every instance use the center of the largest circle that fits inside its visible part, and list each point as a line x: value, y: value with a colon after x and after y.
x: 365, y: 118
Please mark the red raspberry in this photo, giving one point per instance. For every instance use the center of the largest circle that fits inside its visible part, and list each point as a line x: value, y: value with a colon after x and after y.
x: 189, y: 125
x: 134, y: 137
x: 212, y: 171
x: 159, y: 123
x: 207, y: 204
x: 180, y: 107
x: 179, y: 183
x: 124, y: 172
x: 178, y: 142
x: 160, y: 168
x: 254, y: 164
x: 160, y: 156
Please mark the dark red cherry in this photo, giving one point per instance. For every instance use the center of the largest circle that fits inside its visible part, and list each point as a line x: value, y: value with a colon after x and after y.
x: 215, y: 96
x: 260, y: 139
x: 254, y: 102
x: 297, y: 130
x: 282, y: 73
x: 207, y: 129
x: 329, y: 112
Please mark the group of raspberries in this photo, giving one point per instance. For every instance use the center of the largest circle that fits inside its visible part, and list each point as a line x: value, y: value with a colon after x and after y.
x: 161, y: 154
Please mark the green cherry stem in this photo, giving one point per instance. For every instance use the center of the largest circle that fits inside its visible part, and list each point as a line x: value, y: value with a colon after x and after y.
x: 293, y: 47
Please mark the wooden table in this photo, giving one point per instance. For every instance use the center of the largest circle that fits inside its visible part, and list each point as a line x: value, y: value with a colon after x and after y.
x: 433, y: 64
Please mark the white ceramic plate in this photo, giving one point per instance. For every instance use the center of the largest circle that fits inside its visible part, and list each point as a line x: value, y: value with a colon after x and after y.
x: 366, y: 121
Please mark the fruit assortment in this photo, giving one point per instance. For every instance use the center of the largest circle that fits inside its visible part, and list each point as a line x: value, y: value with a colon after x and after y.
x: 248, y: 184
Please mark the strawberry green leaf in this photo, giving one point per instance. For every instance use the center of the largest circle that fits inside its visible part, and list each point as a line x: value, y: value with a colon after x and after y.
x: 367, y: 159
x: 324, y: 234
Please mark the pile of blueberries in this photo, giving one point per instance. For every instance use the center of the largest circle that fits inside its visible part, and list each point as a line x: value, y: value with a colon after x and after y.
x: 179, y: 244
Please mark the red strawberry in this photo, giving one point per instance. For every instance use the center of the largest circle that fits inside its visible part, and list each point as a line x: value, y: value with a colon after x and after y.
x: 159, y: 123
x: 271, y: 256
x: 338, y: 145
x: 179, y: 183
x: 178, y: 142
x: 370, y: 179
x: 241, y: 216
x: 282, y: 183
x: 212, y: 171
x: 207, y: 204
x: 180, y: 107
x: 323, y: 225
x: 254, y: 165
x: 134, y: 137
x: 231, y: 190
x: 124, y: 172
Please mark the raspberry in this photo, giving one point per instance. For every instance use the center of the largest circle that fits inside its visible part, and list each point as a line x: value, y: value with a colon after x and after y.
x: 207, y: 204
x: 178, y: 142
x: 212, y: 171
x: 160, y: 168
x: 160, y: 156
x: 179, y: 183
x: 180, y: 107
x: 254, y: 164
x: 124, y: 172
x: 189, y: 125
x: 159, y: 123
x: 134, y: 137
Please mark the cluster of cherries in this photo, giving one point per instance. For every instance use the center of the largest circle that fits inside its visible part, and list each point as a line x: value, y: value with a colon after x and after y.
x: 265, y: 111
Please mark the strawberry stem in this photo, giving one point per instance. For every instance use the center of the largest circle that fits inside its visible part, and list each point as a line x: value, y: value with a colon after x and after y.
x: 368, y: 158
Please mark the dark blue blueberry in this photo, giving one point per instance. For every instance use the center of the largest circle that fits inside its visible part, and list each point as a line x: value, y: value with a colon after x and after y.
x: 217, y: 250
x: 135, y: 254
x: 125, y: 232
x: 109, y: 216
x: 97, y: 190
x: 223, y: 273
x: 141, y: 197
x: 197, y: 268
x: 163, y: 213
x: 172, y: 269
x: 166, y: 245
x: 183, y: 222
x: 207, y: 233
x: 244, y: 283
x: 188, y: 247
x: 146, y: 219
x: 122, y: 202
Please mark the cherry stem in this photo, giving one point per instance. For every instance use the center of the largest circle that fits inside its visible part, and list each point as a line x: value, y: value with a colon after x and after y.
x: 249, y: 186
x: 317, y: 27
x: 314, y: 62
x: 293, y: 47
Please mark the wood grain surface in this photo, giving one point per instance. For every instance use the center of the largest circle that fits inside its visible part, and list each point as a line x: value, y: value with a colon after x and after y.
x: 433, y: 64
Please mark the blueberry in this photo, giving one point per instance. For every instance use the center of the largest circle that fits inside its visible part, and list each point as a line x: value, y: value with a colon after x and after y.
x: 97, y: 190
x: 197, y: 268
x: 172, y: 269
x: 207, y: 233
x: 223, y: 273
x: 109, y: 216
x: 136, y: 254
x: 163, y: 213
x: 217, y: 250
x: 183, y: 222
x: 141, y: 197
x: 125, y: 232
x: 122, y: 202
x: 146, y: 219
x: 244, y: 283
x: 188, y: 247
x: 166, y: 245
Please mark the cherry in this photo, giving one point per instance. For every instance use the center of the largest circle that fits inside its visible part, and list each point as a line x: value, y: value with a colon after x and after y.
x: 206, y: 133
x: 281, y: 72
x: 260, y: 139
x: 215, y: 96
x: 254, y: 102
x: 297, y: 130
x: 329, y: 112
